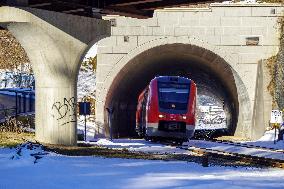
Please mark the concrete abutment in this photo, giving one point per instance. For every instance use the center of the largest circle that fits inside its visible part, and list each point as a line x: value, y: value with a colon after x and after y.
x: 55, y: 44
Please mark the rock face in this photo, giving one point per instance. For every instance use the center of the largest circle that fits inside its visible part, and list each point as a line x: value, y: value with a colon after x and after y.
x: 279, y: 75
x: 12, y: 53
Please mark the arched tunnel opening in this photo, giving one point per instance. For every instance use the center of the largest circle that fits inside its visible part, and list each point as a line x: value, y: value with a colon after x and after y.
x: 217, y: 107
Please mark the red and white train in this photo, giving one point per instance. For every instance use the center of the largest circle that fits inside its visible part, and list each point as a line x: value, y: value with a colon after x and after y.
x: 166, y: 109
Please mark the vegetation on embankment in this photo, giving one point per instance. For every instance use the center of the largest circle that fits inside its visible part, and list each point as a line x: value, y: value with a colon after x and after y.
x: 12, y: 139
x: 90, y: 62
x: 271, y: 64
x: 275, y: 65
x: 12, y: 54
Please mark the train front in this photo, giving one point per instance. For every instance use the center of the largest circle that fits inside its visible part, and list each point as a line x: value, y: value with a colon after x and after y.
x: 171, y: 108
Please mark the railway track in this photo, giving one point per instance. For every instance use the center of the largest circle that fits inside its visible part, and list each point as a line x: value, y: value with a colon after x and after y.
x: 245, y: 145
x: 254, y: 154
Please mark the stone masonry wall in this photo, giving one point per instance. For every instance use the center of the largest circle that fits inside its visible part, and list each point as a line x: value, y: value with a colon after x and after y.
x: 232, y: 29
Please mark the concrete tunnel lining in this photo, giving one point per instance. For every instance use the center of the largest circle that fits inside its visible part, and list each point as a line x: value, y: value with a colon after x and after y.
x: 170, y: 59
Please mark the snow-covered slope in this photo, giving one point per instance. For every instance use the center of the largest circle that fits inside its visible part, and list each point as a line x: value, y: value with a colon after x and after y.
x: 87, y: 76
x: 86, y: 82
x: 54, y: 171
x: 20, y: 77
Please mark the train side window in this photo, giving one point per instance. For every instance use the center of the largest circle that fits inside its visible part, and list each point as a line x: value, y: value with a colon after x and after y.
x: 139, y: 105
x: 146, y: 92
x: 146, y: 95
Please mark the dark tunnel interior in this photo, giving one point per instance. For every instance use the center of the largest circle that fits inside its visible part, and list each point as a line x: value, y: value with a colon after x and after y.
x: 210, y: 73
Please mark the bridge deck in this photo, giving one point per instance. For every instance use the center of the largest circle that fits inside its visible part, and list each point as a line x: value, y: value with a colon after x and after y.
x: 89, y: 8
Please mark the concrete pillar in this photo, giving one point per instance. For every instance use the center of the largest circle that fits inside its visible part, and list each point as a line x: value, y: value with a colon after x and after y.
x: 263, y: 101
x: 55, y: 44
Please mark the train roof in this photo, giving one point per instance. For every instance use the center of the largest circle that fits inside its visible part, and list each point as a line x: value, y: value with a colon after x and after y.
x: 172, y: 79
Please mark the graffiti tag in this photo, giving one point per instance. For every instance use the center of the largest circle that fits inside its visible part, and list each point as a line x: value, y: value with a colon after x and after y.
x: 65, y: 111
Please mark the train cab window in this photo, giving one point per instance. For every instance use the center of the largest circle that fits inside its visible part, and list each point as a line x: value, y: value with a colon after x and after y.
x: 173, y: 96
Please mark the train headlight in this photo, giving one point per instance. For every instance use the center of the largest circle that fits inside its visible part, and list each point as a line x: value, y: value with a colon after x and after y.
x: 183, y: 117
x: 161, y: 116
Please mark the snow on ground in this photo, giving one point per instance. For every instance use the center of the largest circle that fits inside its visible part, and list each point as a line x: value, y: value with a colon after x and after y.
x: 202, y: 126
x: 151, y: 147
x: 93, y: 130
x: 236, y: 149
x: 241, y: 2
x: 62, y: 172
x: 267, y: 140
x: 140, y: 145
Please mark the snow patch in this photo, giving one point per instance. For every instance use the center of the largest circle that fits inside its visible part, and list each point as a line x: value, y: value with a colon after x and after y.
x: 269, y: 136
x: 86, y: 82
x: 63, y: 172
x: 242, y: 2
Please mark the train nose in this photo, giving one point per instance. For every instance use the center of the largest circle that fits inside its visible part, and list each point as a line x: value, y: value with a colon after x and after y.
x: 173, y: 117
x: 177, y: 117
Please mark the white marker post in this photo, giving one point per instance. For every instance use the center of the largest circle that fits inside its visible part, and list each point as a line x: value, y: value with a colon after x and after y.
x: 276, y: 120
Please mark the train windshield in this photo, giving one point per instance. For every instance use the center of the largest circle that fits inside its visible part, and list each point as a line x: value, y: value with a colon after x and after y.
x: 173, y: 96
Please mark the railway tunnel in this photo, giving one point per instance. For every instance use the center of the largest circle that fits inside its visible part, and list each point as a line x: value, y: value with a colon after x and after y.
x: 214, y: 78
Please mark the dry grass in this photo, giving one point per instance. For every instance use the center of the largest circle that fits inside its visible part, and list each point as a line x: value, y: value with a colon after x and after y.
x: 98, y: 151
x: 91, y: 61
x: 12, y: 139
x: 232, y: 138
